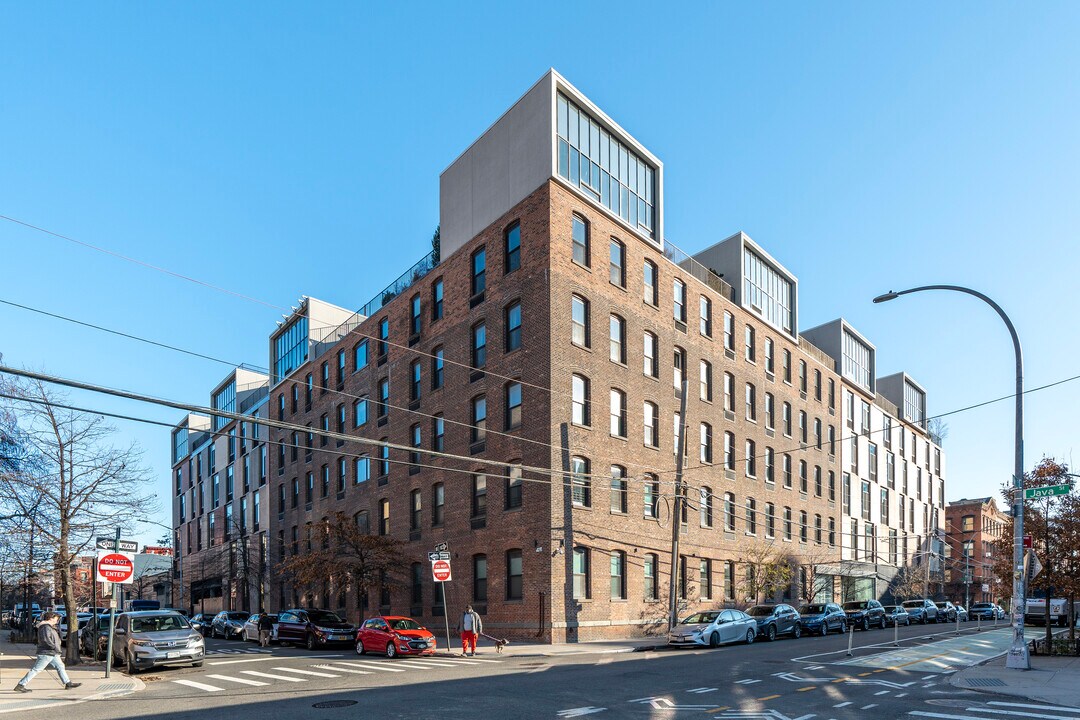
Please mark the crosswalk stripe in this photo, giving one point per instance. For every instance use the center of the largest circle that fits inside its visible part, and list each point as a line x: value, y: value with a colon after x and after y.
x: 942, y: 716
x: 426, y: 663
x: 242, y: 681
x: 1058, y: 708
x: 305, y: 672
x: 369, y: 666
x: 354, y: 671
x: 483, y: 660
x: 198, y: 685
x: 286, y: 678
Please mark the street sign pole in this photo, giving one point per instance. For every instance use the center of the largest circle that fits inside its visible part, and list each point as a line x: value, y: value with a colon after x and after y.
x: 446, y: 618
x: 442, y: 552
x: 112, y: 613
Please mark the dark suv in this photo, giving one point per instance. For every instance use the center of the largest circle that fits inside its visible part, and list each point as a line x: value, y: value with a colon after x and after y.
x: 982, y: 611
x: 228, y: 624
x: 821, y: 618
x: 946, y: 612
x: 865, y: 614
x: 773, y: 620
x: 314, y: 628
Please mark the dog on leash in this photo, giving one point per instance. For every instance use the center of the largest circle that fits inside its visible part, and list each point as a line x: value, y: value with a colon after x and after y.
x: 499, y: 644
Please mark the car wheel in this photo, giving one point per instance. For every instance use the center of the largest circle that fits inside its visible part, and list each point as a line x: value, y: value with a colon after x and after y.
x: 824, y: 628
x: 770, y: 634
x: 883, y: 623
x: 359, y: 647
x: 866, y: 624
x: 843, y: 627
x: 714, y: 639
x: 197, y: 663
x: 310, y: 642
x: 129, y: 665
x: 391, y: 651
x: 922, y: 620
x: 796, y: 632
x: 750, y: 636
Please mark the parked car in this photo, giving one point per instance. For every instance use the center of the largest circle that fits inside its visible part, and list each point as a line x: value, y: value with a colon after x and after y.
x: 1001, y: 614
x: 314, y: 628
x: 961, y: 613
x: 865, y: 614
x: 773, y: 620
x: 897, y: 615
x: 822, y: 618
x: 983, y: 611
x: 921, y: 611
x: 251, y: 628
x: 150, y: 638
x: 81, y: 619
x: 393, y: 635
x: 712, y: 628
x: 201, y: 622
x: 946, y: 612
x: 93, y: 641
x: 228, y: 624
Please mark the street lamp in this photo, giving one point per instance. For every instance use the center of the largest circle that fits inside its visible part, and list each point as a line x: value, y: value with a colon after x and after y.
x: 1017, y: 658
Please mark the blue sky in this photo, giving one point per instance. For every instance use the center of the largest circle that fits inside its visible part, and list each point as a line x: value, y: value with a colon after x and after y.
x: 284, y: 150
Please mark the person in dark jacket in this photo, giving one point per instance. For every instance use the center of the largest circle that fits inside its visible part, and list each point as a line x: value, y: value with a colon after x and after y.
x: 266, y: 629
x: 48, y: 653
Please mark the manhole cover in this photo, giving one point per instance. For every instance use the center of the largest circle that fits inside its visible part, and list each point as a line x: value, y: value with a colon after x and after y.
x: 333, y: 704
x: 984, y: 682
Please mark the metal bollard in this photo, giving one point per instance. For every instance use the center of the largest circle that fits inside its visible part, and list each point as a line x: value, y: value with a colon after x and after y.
x: 896, y: 633
x: 850, y: 638
x: 957, y: 623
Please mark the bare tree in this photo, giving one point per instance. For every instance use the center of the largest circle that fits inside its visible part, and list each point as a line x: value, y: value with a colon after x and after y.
x: 908, y: 583
x: 346, y: 556
x: 767, y: 572
x: 75, y: 477
x: 816, y: 568
x: 938, y: 429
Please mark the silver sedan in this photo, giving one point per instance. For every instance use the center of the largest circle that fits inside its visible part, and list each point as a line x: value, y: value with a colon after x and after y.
x: 250, y: 630
x: 713, y: 628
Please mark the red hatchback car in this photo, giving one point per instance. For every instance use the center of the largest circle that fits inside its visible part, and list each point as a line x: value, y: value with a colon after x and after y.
x: 391, y: 636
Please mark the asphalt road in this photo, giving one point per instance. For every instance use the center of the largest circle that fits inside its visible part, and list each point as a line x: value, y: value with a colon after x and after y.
x: 803, y: 679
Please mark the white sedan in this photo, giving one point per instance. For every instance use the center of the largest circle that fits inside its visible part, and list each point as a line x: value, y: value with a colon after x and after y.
x: 250, y: 630
x: 713, y: 628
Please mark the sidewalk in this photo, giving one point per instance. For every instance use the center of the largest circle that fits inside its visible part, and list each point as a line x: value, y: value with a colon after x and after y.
x: 16, y: 659
x: 1054, y: 680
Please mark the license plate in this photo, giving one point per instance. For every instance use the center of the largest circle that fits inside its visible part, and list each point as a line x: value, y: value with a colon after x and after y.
x: 172, y: 655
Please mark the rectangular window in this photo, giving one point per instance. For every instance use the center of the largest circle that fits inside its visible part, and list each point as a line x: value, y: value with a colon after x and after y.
x: 514, y: 575
x: 770, y: 359
x: 679, y: 308
x: 513, y: 327
x: 729, y: 392
x: 580, y: 483
x: 705, y: 316
x: 651, y: 496
x: 750, y: 350
x: 579, y: 400
x: 580, y: 568
x: 479, y: 345
x: 384, y: 398
x: 438, y: 504
x: 438, y: 364
x: 751, y: 402
x: 729, y: 331
x: 649, y: 290
x: 857, y: 360
x: 651, y: 424
x: 579, y: 321
x: 360, y: 355
x: 384, y: 337
x: 650, y: 588
x: 479, y: 272
x: 512, y: 245
x: 617, y: 268
x: 705, y: 388
x: 438, y: 433
x: 618, y: 575
x: 706, y: 443
x: 618, y: 489
x: 437, y: 300
x: 414, y: 380
x: 618, y: 413
x: 384, y: 517
x: 479, y: 496
x: 617, y: 349
x: 480, y: 578
x: 767, y: 292
x: 512, y: 409
x: 415, y: 320
x: 479, y: 419
x: 651, y: 366
x: 513, y: 487
x: 579, y: 233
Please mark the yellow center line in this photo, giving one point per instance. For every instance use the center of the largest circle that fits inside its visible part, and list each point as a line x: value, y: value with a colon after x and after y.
x: 767, y: 697
x: 718, y: 709
x: 864, y: 674
x: 840, y: 680
x: 916, y: 662
x: 808, y: 687
x: 881, y: 670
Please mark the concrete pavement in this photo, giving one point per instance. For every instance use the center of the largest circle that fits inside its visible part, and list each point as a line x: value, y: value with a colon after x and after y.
x: 46, y: 690
x: 1054, y: 680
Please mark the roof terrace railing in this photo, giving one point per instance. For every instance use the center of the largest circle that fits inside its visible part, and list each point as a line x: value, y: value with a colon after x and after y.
x: 699, y: 271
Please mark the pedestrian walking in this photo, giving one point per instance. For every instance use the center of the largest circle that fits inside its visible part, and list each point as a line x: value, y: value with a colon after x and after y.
x: 48, y: 653
x: 471, y: 627
x: 266, y: 629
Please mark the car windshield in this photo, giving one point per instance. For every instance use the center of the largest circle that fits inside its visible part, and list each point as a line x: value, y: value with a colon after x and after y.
x: 323, y: 616
x: 702, y: 618
x: 236, y: 616
x: 760, y: 611
x: 405, y: 624
x: 855, y: 605
x: 158, y: 623
x: 812, y: 609
x: 981, y: 605
x: 892, y: 608
x: 913, y: 603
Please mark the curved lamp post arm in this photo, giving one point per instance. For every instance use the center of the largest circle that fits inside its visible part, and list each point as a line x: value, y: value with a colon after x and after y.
x: 1017, y: 657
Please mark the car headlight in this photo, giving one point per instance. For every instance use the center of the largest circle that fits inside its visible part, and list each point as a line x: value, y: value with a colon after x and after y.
x: 142, y: 643
x: 194, y: 640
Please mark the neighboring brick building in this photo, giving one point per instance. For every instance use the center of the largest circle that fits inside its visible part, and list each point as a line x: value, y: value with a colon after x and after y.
x: 973, y: 526
x: 552, y: 478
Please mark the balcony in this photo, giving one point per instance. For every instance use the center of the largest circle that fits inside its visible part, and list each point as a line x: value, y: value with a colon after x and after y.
x: 699, y: 271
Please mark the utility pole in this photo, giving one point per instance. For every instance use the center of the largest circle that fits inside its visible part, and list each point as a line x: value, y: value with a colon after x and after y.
x: 676, y: 512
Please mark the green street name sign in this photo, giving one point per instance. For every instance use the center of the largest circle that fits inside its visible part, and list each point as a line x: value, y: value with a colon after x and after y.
x: 1045, y: 492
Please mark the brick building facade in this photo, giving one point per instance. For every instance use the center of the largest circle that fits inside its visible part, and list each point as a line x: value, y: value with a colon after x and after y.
x: 973, y: 528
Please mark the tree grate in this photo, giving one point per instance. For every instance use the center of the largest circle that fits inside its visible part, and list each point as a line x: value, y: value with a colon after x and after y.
x: 984, y: 682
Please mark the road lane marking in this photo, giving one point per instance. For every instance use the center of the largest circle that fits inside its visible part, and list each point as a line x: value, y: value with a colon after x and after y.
x: 354, y: 671
x: 1034, y: 707
x: 369, y: 666
x: 808, y: 687
x: 286, y: 678
x: 942, y: 716
x: 746, y: 682
x: 277, y: 658
x: 198, y: 685
x: 242, y: 681
x: 843, y: 704
x: 1018, y: 714
x: 867, y: 707
x: 306, y: 672
x: 767, y: 697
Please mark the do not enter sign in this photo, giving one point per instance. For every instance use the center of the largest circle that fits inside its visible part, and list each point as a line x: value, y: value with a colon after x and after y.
x: 440, y: 570
x: 115, y: 567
